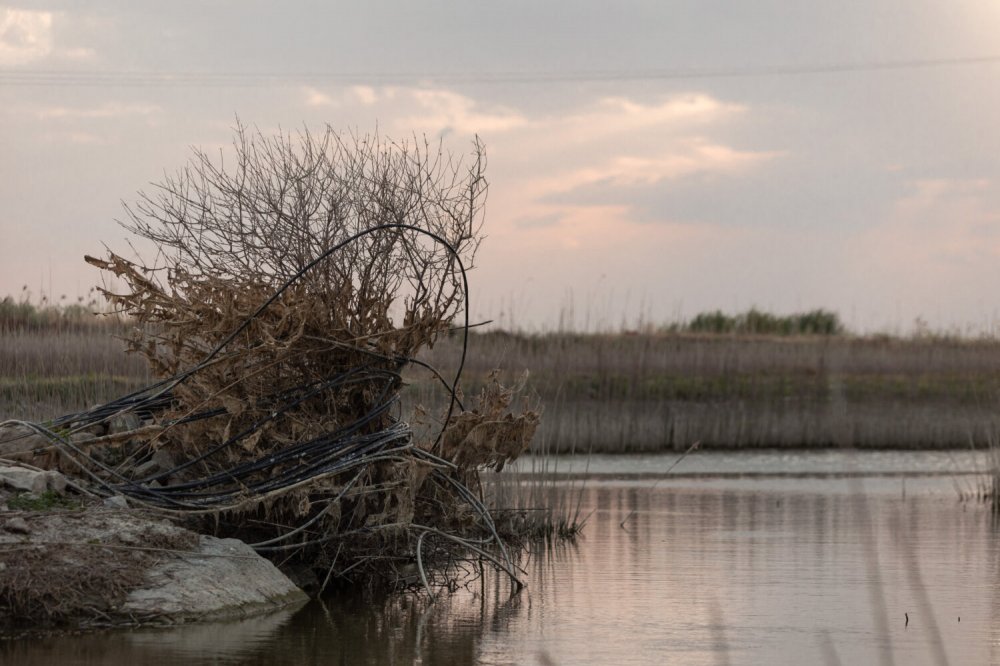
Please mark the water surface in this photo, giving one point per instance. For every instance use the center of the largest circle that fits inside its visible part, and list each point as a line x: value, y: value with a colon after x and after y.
x: 783, y: 558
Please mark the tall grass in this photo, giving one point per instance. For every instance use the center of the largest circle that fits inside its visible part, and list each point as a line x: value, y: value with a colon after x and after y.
x: 534, y: 499
x: 57, y: 360
x: 622, y: 392
x: 647, y: 392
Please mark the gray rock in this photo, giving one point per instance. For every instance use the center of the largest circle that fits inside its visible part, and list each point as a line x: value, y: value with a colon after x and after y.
x: 34, y: 481
x: 55, y: 481
x: 124, y: 422
x: 182, y: 577
x: 224, y: 578
x: 116, y: 502
x: 164, y: 460
x: 82, y: 437
x: 17, y: 525
x: 18, y: 439
x: 160, y: 462
x: 147, y: 468
x: 95, y: 429
x: 129, y: 539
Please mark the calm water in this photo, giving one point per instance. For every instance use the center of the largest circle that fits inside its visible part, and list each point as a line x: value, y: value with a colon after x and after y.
x: 734, y: 558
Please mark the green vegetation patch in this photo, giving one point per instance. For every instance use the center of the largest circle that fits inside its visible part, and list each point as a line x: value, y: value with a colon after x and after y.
x: 47, y: 501
x: 753, y: 321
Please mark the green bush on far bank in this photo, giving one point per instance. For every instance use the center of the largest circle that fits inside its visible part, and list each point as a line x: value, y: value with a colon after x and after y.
x: 25, y: 316
x: 814, y: 322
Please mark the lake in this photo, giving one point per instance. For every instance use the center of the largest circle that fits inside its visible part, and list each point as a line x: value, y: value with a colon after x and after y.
x: 732, y: 558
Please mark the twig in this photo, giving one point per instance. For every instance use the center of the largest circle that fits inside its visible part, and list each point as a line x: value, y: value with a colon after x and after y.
x: 669, y: 469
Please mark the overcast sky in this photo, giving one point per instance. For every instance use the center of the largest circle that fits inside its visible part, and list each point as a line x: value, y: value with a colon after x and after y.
x: 652, y: 159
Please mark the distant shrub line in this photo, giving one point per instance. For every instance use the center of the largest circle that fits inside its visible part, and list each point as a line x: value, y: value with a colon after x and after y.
x: 753, y: 321
x: 25, y: 316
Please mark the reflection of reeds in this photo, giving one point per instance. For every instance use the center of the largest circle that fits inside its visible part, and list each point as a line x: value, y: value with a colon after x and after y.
x: 993, y: 488
x: 987, y: 487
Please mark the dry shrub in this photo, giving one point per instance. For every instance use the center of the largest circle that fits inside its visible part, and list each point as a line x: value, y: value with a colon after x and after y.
x: 292, y: 289
x: 489, y: 435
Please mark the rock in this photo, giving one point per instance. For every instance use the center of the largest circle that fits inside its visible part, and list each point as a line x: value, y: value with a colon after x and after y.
x: 56, y: 481
x: 223, y: 578
x: 95, y: 429
x: 124, y: 422
x: 34, y: 481
x: 146, y: 469
x: 82, y: 437
x: 17, y: 441
x: 170, y: 575
x: 116, y: 502
x: 23, y: 479
x: 129, y: 539
x: 160, y: 462
x: 17, y: 525
x: 163, y: 458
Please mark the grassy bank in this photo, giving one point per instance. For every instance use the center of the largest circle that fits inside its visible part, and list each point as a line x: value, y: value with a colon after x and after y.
x: 630, y: 392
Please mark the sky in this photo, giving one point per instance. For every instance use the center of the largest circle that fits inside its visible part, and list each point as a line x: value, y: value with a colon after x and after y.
x: 647, y: 160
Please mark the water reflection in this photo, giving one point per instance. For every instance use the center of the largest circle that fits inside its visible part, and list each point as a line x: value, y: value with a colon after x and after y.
x: 765, y: 570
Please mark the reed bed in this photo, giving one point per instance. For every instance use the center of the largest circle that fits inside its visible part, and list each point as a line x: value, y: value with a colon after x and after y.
x: 648, y: 392
x: 622, y: 393
x: 55, y: 370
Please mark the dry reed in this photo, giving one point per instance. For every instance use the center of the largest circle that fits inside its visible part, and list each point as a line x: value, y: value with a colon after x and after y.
x: 648, y: 392
x: 619, y: 393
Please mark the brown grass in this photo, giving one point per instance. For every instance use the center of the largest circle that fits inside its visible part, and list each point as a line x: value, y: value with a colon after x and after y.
x: 619, y: 393
x: 636, y: 393
x: 53, y: 371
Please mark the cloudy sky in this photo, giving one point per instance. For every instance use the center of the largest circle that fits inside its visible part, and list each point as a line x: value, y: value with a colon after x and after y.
x: 647, y: 159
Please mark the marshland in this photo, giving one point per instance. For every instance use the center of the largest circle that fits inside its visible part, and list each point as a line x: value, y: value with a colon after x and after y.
x: 619, y: 392
x: 831, y: 511
x: 286, y: 440
x: 278, y: 386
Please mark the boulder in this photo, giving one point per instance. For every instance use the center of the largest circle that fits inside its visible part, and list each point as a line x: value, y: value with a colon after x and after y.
x: 99, y: 566
x: 33, y: 481
x: 16, y: 525
x: 161, y: 461
x: 19, y: 442
x: 221, y: 579
x: 124, y: 422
